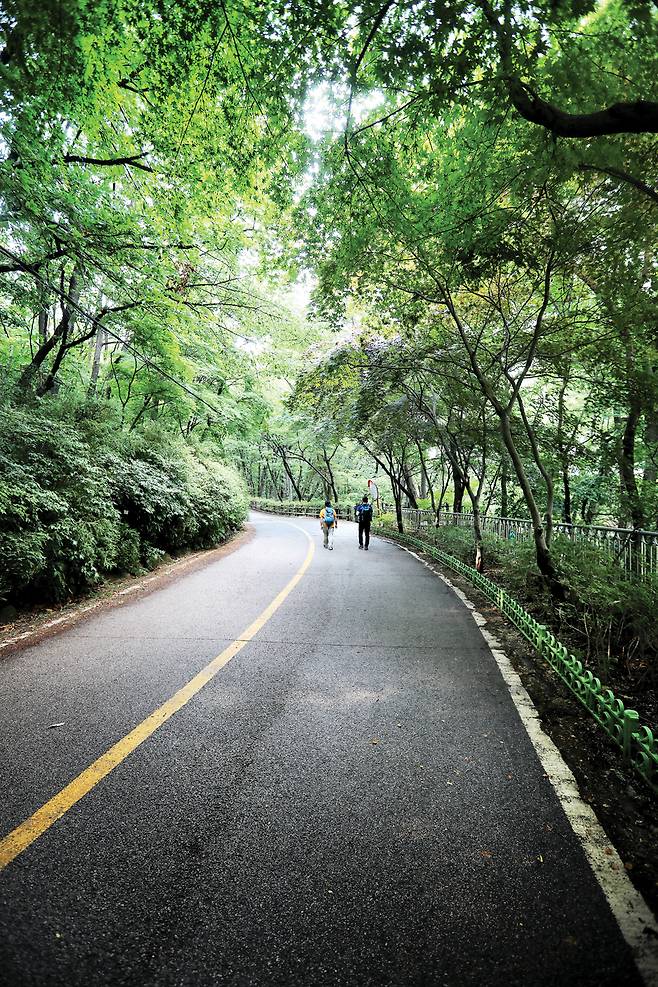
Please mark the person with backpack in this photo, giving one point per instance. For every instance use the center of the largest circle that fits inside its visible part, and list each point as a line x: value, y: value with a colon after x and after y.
x: 364, y: 514
x: 328, y: 523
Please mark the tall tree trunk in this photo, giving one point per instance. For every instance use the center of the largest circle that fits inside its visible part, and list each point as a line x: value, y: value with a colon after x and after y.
x: 631, y: 503
x: 397, y: 497
x: 546, y: 476
x: 100, y: 343
x: 43, y: 327
x: 504, y: 495
x: 650, y: 475
x: 426, y: 482
x: 459, y: 485
x: 446, y: 477
x: 566, y: 487
x: 412, y: 493
x: 477, y: 533
x: 563, y: 449
x: 542, y: 551
x: 330, y: 473
x: 423, y: 483
x: 59, y: 337
x: 474, y: 497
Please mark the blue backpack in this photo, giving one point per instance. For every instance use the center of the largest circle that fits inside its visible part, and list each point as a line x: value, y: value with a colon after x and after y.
x: 329, y: 515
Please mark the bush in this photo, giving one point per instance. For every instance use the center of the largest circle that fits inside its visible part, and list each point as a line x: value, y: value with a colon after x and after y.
x: 58, y: 529
x: 79, y: 504
x: 128, y: 550
x: 609, y: 618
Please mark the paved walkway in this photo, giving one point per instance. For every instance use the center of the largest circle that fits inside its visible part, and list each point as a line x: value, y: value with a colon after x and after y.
x: 351, y: 800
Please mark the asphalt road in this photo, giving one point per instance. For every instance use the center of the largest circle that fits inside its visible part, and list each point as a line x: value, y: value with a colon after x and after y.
x: 351, y: 800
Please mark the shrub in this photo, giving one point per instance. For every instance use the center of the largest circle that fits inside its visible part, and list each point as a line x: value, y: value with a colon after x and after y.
x: 128, y: 550
x: 79, y: 502
x: 58, y: 528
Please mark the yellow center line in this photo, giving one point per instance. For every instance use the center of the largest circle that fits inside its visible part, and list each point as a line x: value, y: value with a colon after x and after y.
x: 28, y: 831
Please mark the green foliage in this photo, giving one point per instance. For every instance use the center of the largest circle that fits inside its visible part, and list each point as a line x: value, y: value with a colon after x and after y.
x: 609, y: 617
x: 73, y: 511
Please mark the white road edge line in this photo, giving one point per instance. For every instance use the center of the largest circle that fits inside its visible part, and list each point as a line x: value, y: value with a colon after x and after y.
x: 635, y: 919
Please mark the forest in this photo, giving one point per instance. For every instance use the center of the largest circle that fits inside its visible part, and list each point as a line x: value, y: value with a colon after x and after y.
x: 273, y: 250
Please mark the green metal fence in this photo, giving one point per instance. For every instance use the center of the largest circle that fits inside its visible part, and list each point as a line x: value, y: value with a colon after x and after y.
x: 635, y: 551
x: 637, y: 742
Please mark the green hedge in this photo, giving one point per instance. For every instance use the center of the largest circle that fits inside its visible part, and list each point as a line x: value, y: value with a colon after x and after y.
x: 74, y: 509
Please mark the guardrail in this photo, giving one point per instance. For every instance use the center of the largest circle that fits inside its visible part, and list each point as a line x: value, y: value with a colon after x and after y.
x: 635, y: 550
x: 637, y: 742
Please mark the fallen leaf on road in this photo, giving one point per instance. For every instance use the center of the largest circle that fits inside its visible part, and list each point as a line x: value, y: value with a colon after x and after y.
x: 485, y: 853
x: 609, y: 851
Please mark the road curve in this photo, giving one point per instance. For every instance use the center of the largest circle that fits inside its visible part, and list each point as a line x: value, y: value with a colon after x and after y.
x: 351, y: 800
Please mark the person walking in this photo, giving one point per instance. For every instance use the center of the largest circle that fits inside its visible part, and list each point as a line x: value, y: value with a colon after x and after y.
x: 328, y: 523
x: 364, y: 514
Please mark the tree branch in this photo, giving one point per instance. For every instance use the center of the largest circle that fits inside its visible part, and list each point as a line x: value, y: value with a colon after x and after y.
x: 133, y: 160
x: 32, y: 266
x: 623, y: 177
x: 640, y: 117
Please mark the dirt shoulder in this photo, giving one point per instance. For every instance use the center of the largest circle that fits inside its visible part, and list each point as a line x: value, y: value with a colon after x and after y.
x: 624, y: 805
x: 35, y: 625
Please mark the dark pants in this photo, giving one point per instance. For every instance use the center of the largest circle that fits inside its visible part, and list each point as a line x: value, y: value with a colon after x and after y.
x: 364, y: 526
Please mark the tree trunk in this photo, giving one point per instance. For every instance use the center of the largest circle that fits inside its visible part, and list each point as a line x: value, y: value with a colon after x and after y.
x: 477, y: 527
x: 477, y: 533
x: 412, y: 493
x: 544, y: 559
x: 445, y: 483
x: 566, y: 485
x: 650, y: 475
x: 426, y: 482
x: 459, y: 484
x: 504, y: 496
x: 101, y: 342
x: 58, y: 338
x: 397, y: 497
x: 43, y: 327
x: 546, y: 476
x: 631, y: 503
x: 332, y: 482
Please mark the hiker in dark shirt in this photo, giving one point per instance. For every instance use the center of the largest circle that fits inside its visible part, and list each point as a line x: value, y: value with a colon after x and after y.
x: 363, y: 513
